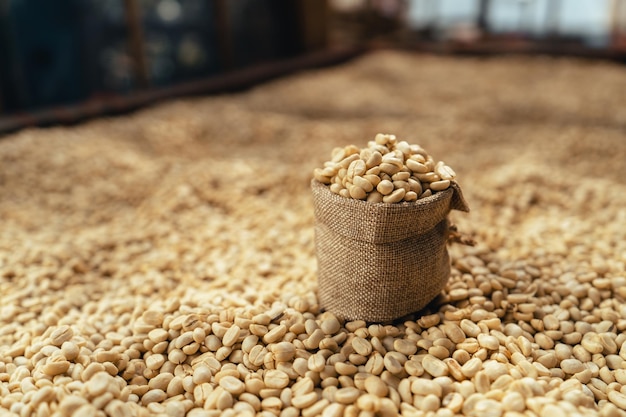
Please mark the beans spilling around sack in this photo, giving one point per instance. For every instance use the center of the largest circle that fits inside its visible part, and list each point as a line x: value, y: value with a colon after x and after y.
x: 387, y: 171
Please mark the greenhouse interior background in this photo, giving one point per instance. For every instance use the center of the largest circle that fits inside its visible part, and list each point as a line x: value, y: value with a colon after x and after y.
x: 112, y: 56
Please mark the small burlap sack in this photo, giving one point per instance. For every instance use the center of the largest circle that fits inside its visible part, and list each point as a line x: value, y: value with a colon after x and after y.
x: 378, y: 262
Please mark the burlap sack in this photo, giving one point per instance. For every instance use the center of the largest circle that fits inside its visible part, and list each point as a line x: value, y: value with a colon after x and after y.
x: 378, y: 262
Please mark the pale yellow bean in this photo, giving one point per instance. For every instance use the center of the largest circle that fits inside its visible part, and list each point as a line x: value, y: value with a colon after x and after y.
x: 395, y: 197
x: 385, y: 187
x: 429, y: 177
x: 374, y: 160
x: 440, y: 185
x: 389, y: 168
x: 410, y: 196
x: 363, y: 183
x: 375, y: 197
x: 357, y: 192
x: 416, y: 166
x: 373, y: 179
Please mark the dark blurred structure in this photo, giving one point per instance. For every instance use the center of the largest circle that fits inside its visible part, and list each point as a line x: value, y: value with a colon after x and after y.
x: 43, y: 66
x: 64, y: 51
x: 65, y: 60
x: 477, y: 27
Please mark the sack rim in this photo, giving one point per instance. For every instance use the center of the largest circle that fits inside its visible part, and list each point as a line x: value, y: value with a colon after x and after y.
x: 386, y: 222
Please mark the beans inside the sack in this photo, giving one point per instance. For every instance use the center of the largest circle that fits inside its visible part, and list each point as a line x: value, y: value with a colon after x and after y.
x: 387, y: 171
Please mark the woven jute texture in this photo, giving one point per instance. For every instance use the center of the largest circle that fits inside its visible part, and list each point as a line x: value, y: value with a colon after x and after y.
x: 378, y: 262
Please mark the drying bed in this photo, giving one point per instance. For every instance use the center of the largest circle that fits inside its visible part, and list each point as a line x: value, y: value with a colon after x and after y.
x: 162, y: 263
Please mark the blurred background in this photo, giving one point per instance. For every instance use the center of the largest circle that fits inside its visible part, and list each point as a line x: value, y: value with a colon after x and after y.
x: 65, y: 60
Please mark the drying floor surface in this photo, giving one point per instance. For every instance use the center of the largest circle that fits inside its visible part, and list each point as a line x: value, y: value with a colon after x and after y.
x: 197, y: 214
